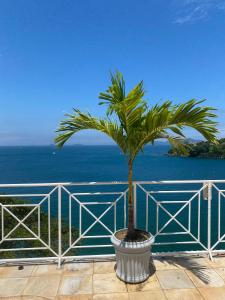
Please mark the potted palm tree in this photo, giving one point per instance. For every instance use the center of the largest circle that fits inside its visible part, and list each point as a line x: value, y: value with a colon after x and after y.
x: 135, y: 125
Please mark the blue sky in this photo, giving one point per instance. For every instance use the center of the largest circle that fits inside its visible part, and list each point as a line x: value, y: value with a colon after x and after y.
x: 55, y: 55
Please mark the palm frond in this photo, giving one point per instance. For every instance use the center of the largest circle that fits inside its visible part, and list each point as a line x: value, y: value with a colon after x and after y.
x: 160, y: 120
x: 128, y: 108
x: 178, y: 144
x: 200, y: 118
x: 79, y: 121
x: 115, y: 92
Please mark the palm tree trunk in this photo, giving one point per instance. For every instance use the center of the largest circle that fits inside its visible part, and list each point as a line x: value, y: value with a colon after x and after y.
x: 130, y: 200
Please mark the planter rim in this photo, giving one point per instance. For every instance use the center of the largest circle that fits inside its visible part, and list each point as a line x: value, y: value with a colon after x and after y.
x: 134, y: 244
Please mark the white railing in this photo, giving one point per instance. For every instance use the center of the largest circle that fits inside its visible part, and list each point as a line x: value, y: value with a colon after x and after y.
x: 65, y: 221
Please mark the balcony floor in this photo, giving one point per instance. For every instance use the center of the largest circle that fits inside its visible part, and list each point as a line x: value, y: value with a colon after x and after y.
x: 186, y: 278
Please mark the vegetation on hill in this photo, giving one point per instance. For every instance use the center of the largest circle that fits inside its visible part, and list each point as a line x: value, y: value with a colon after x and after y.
x: 31, y: 222
x: 202, y: 149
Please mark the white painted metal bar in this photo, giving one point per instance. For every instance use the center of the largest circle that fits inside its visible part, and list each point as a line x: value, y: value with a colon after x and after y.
x: 173, y: 192
x: 59, y: 225
x: 80, y: 220
x: 97, y: 193
x: 55, y: 184
x: 146, y: 213
x: 22, y: 195
x: 2, y: 221
x: 189, y: 216
x: 22, y: 249
x: 70, y: 222
x: 125, y: 210
x: 92, y: 246
x: 199, y: 216
x: 39, y: 221
x: 97, y: 203
x: 115, y: 210
x: 20, y: 205
x: 22, y: 239
x: 157, y: 218
x: 209, y: 218
x: 135, y: 203
x: 172, y: 201
x: 219, y: 210
x: 49, y: 221
x: 180, y: 181
x: 96, y: 236
x: 175, y: 243
x: 173, y: 233
x: 27, y: 260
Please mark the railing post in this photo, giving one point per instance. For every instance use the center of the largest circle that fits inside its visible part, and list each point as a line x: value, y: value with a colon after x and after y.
x: 209, y: 218
x: 135, y: 203
x: 146, y: 208
x: 59, y: 225
x: 125, y: 210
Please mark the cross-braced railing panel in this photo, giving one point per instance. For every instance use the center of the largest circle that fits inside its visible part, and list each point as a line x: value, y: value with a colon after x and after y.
x: 98, y: 217
x: 24, y: 229
x: 218, y: 213
x: 61, y: 221
x: 176, y: 217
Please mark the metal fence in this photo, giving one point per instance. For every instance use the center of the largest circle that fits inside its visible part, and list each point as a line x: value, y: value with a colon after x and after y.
x: 65, y: 221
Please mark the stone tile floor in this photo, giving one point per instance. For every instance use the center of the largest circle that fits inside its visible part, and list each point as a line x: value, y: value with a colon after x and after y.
x: 186, y: 278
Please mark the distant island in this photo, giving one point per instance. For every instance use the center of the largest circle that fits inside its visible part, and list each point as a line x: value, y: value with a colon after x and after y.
x: 202, y: 149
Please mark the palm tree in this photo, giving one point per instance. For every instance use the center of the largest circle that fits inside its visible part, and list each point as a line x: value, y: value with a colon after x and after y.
x: 135, y: 125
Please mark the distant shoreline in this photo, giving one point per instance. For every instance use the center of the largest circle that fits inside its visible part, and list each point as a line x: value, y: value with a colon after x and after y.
x: 79, y: 145
x: 201, y: 150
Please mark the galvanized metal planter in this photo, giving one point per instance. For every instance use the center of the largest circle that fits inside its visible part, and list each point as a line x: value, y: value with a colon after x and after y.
x: 133, y: 259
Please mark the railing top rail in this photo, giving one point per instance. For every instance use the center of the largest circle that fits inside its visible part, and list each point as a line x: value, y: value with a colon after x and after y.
x: 53, y: 184
x: 182, y: 181
x: 60, y: 184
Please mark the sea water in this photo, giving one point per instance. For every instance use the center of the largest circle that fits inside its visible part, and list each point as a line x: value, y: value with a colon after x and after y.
x: 106, y: 163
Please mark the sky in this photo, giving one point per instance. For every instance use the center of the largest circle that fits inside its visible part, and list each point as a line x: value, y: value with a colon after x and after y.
x: 57, y: 54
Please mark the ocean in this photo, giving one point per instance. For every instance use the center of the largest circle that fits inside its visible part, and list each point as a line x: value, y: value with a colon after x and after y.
x: 46, y: 164
x: 100, y: 163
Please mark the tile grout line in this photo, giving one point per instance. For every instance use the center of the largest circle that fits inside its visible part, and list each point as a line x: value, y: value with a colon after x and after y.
x: 92, y: 283
x: 161, y: 288
x: 92, y: 279
x: 164, y: 293
x: 219, y: 274
x: 34, y: 268
x: 200, y: 293
x: 61, y: 277
x: 28, y: 279
x: 195, y: 285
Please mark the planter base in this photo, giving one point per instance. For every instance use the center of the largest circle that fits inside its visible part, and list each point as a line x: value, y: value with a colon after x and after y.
x: 133, y: 260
